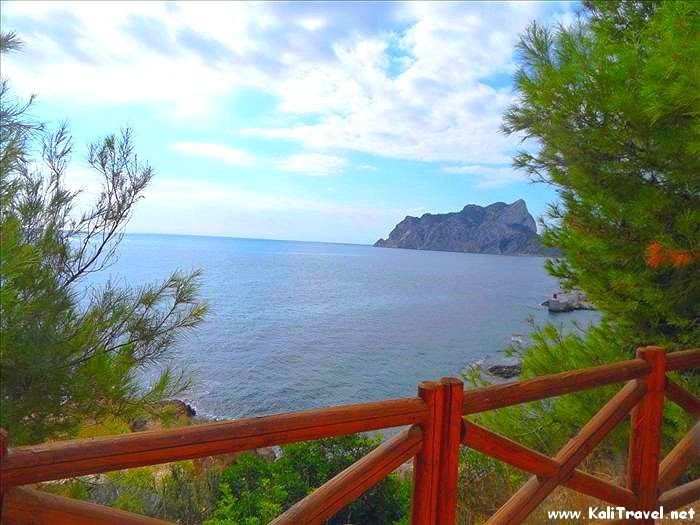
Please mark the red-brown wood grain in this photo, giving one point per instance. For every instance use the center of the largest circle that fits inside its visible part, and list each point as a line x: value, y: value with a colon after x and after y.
x: 31, y: 507
x: 427, y: 463
x: 451, y: 437
x: 531, y: 494
x: 4, y: 441
x: 499, y: 396
x: 86, y: 456
x: 677, y: 461
x: 683, y: 359
x: 645, y: 433
x: 681, y: 397
x: 433, y: 440
x: 681, y: 496
x: 519, y: 456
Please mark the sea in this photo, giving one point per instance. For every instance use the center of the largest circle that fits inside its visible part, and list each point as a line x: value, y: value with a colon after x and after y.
x: 298, y: 325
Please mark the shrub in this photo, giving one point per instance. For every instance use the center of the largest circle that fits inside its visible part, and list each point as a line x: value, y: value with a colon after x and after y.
x: 253, y: 491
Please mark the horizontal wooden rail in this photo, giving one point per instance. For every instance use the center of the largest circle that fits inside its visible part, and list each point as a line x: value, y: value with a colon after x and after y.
x: 326, y: 501
x: 683, y: 359
x: 675, y: 463
x: 60, y: 460
x: 681, y: 496
x: 22, y: 506
x: 499, y: 396
x: 681, y: 397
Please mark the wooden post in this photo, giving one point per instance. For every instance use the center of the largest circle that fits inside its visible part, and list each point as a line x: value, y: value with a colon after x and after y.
x: 4, y: 441
x: 426, y: 466
x: 451, y: 437
x: 645, y: 433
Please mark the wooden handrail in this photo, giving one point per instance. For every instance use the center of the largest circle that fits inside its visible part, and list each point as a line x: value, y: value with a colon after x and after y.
x: 518, y: 392
x: 681, y: 397
x: 676, y: 461
x: 683, y: 359
x: 680, y: 496
x: 67, y: 459
x: 437, y: 429
x: 23, y: 506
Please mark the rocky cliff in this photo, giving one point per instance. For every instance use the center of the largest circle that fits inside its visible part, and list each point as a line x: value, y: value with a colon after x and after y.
x: 500, y: 228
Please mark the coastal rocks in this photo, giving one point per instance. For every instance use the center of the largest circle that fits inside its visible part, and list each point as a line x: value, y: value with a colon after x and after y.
x: 140, y: 423
x: 500, y: 228
x: 171, y: 409
x: 568, y: 302
x: 180, y: 408
x: 498, y: 368
x: 506, y: 371
x: 269, y: 454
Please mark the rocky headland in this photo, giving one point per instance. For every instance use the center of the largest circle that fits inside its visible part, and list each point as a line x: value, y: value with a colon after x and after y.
x: 500, y: 228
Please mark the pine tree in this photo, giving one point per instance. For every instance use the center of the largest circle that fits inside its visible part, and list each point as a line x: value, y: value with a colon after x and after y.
x: 610, y: 108
x: 68, y: 355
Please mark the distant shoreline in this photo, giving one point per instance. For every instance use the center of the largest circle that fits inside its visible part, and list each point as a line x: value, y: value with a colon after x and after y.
x: 198, y: 236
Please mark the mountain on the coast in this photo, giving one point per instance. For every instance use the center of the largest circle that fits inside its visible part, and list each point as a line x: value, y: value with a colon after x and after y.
x: 500, y: 228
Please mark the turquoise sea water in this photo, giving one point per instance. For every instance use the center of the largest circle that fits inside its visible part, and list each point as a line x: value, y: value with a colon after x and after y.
x: 296, y: 325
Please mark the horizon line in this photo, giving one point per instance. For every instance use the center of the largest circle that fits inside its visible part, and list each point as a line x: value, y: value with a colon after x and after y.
x: 224, y: 236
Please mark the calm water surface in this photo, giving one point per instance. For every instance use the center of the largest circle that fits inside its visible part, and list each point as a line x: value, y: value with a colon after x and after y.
x: 296, y: 325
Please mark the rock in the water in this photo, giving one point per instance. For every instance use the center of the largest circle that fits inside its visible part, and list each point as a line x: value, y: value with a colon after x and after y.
x: 567, y: 302
x: 505, y: 371
x: 496, y: 368
x: 500, y: 228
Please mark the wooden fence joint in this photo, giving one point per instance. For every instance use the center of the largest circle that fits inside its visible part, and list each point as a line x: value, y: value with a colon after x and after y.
x: 645, y: 433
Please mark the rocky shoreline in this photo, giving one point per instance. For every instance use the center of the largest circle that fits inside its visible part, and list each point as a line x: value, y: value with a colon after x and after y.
x: 568, y: 302
x: 497, y: 368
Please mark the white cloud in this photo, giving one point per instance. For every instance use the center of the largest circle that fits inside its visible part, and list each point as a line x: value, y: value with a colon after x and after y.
x: 219, y: 152
x: 439, y: 107
x: 313, y: 164
x: 488, y: 176
x: 312, y: 24
x: 407, y: 81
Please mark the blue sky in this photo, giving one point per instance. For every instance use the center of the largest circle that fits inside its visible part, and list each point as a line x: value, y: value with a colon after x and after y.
x: 308, y: 121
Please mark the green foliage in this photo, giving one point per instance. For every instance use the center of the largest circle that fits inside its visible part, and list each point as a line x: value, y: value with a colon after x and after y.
x: 547, y: 425
x: 186, y: 495
x: 613, y: 103
x: 177, y: 492
x: 609, y: 107
x: 483, y: 486
x: 70, y: 352
x: 254, y: 491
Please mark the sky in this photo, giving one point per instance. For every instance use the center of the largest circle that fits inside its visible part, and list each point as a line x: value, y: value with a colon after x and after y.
x: 303, y: 121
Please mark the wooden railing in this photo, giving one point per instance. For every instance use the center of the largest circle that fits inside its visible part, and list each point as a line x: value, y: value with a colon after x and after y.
x: 436, y: 430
